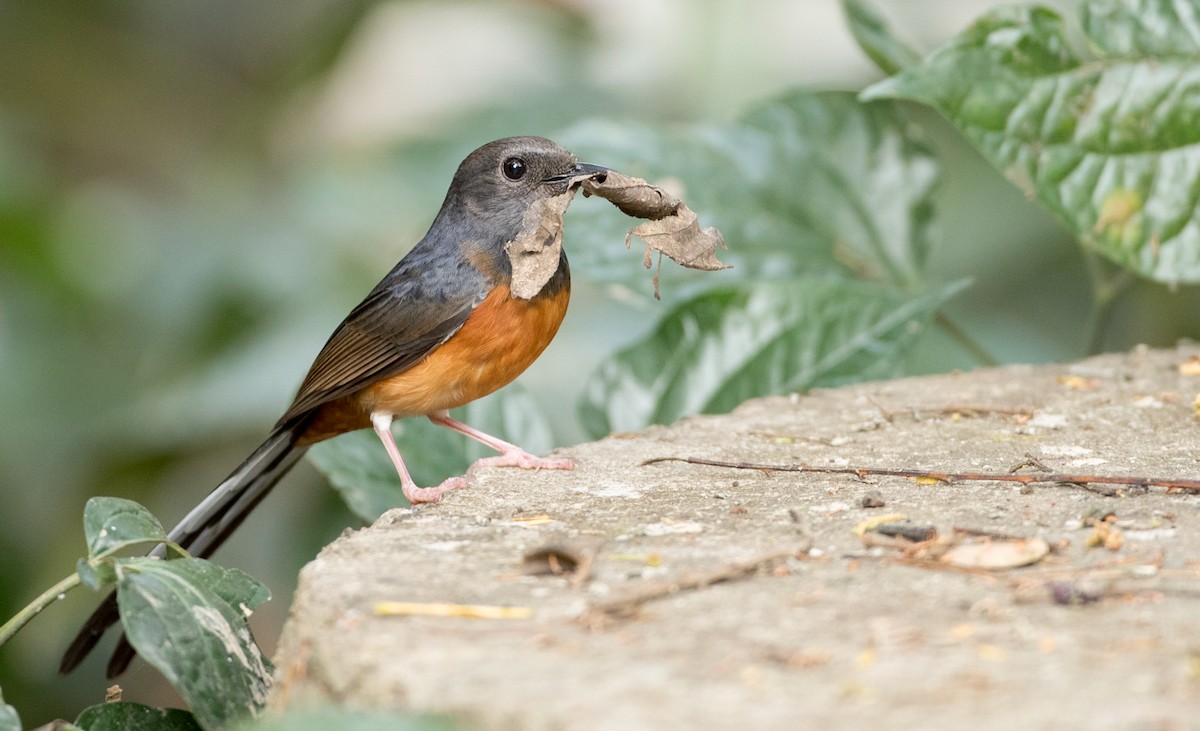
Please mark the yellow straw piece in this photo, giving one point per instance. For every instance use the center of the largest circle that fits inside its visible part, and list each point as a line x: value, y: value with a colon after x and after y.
x: 446, y: 609
x: 873, y: 523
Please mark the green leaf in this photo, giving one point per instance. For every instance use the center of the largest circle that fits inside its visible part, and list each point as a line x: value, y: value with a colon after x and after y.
x: 96, y: 575
x: 112, y: 523
x: 123, y: 716
x: 344, y: 719
x: 358, y: 467
x: 855, y: 176
x: 1104, y: 137
x: 813, y: 183
x: 728, y: 345
x: 1139, y: 28
x: 187, y: 618
x: 875, y: 38
x: 9, y: 720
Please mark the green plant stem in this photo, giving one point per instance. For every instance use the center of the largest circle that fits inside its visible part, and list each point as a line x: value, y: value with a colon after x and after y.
x: 31, y: 610
x: 1107, y: 285
x: 965, y: 341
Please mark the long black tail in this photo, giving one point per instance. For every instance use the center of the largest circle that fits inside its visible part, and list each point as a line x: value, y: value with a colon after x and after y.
x: 201, y: 532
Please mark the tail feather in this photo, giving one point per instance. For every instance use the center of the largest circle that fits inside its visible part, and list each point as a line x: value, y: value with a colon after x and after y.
x: 208, y: 524
x: 201, y: 532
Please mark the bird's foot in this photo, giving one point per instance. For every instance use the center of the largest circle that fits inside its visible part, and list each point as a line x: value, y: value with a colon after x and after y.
x: 524, y: 460
x: 432, y: 494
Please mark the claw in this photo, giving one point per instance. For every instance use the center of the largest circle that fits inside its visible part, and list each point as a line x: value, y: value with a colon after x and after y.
x: 524, y: 460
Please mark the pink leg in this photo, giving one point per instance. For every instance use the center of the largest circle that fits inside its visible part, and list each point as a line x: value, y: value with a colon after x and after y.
x: 383, y: 427
x: 510, y: 454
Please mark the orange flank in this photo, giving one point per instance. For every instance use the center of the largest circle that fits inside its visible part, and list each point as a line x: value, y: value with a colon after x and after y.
x: 498, y: 341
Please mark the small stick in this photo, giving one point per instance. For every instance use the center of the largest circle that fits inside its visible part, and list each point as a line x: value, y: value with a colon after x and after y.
x: 627, y: 606
x: 1030, y: 461
x: 948, y: 477
x: 967, y: 410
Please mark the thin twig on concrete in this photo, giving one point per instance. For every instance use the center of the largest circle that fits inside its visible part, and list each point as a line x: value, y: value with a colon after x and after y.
x: 628, y: 606
x: 949, y: 478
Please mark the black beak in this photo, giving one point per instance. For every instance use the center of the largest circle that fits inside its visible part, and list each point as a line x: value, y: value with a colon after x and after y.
x: 582, y: 170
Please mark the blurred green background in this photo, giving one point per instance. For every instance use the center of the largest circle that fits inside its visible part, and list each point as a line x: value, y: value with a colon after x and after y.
x: 192, y: 195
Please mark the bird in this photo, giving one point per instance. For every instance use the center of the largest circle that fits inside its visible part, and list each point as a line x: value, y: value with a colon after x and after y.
x: 462, y: 314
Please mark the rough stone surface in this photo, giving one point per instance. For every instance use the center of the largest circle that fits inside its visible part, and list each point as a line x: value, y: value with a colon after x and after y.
x: 842, y: 637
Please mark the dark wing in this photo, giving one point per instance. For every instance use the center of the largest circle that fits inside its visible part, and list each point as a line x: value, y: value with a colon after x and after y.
x: 399, y: 323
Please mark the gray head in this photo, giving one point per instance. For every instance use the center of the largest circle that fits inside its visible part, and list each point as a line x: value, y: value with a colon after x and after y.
x: 501, y: 180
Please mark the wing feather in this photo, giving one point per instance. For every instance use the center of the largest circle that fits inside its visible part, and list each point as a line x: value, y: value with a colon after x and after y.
x: 400, y: 322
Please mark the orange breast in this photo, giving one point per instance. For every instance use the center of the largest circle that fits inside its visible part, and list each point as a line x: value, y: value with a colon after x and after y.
x: 500, y: 339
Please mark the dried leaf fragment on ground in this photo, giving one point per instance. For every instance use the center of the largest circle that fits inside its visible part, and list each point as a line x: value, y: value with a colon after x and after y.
x: 671, y: 227
x: 1001, y: 554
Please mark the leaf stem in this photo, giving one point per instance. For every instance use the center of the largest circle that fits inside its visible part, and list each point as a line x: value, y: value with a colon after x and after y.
x: 31, y: 610
x: 965, y: 341
x: 1108, y: 283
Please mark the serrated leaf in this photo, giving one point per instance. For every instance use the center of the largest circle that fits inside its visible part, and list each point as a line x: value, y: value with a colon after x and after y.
x: 9, y: 720
x: 1108, y: 143
x: 876, y: 39
x: 358, y: 467
x: 123, y: 716
x: 112, y: 523
x: 814, y: 183
x: 187, y: 618
x: 728, y: 345
x: 345, y: 719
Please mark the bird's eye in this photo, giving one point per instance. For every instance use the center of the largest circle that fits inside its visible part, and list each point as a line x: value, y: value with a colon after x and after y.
x: 513, y: 168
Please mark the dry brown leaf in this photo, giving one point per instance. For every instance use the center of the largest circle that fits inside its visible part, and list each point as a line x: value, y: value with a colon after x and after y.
x: 1190, y: 367
x: 997, y: 554
x: 671, y: 227
x: 535, y: 252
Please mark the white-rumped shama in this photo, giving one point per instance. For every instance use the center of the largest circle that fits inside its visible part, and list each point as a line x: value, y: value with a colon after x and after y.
x: 446, y: 326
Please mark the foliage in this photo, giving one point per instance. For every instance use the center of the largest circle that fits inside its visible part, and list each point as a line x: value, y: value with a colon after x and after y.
x: 186, y: 617
x: 804, y: 183
x: 728, y: 345
x: 126, y: 716
x: 123, y: 716
x: 875, y: 38
x: 1101, y: 130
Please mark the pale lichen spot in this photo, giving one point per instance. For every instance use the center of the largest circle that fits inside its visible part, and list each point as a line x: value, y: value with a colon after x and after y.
x: 1118, y: 208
